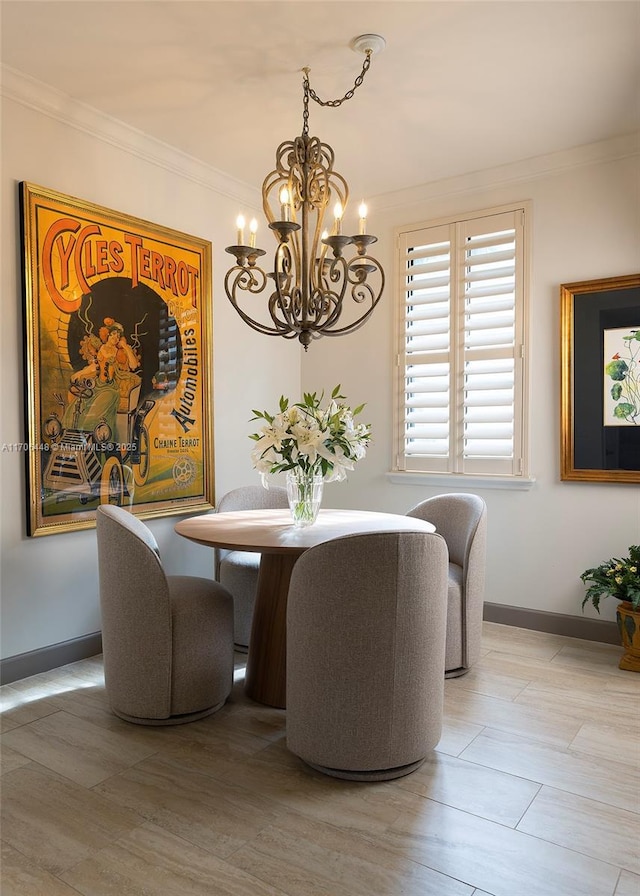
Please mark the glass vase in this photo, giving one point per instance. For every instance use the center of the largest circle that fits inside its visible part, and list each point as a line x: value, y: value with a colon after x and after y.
x: 304, y: 491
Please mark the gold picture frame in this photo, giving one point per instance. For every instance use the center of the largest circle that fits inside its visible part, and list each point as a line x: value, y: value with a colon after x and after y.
x: 600, y: 379
x: 118, y: 361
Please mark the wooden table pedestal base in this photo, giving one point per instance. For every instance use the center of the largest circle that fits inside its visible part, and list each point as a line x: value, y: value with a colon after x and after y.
x: 265, y: 679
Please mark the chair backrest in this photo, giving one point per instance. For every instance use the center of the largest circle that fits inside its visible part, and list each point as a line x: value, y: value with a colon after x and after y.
x: 459, y: 518
x: 366, y: 621
x: 253, y: 497
x: 248, y: 497
x: 136, y: 614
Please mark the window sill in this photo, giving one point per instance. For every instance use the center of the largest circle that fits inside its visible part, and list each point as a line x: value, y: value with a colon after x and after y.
x: 458, y: 480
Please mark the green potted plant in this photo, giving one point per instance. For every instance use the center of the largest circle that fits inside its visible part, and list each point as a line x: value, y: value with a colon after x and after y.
x: 620, y: 578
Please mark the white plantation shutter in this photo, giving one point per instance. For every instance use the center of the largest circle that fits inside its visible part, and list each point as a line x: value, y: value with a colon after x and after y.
x: 461, y: 346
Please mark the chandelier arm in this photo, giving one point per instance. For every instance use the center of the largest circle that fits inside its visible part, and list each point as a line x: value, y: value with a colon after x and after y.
x: 337, y: 275
x: 367, y: 292
x: 283, y: 301
x: 364, y: 265
x: 263, y: 328
x: 334, y: 316
x: 328, y: 306
x: 350, y: 328
x: 353, y: 325
x: 246, y: 281
x: 359, y: 269
x: 287, y: 306
x: 281, y: 306
x: 361, y: 291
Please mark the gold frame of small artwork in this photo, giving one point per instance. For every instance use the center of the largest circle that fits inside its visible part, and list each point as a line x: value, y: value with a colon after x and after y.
x: 589, y: 448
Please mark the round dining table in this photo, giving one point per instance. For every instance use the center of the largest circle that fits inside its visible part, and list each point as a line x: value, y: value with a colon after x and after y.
x: 271, y: 533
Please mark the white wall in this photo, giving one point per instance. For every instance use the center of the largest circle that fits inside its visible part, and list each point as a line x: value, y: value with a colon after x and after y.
x: 49, y: 583
x: 586, y: 225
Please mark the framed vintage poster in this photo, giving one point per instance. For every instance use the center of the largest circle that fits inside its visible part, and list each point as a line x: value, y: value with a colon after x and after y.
x: 118, y: 364
x: 600, y: 379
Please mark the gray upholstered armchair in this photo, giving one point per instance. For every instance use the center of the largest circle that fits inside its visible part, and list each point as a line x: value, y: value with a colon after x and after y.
x: 238, y: 570
x: 167, y: 641
x: 461, y: 519
x: 365, y: 653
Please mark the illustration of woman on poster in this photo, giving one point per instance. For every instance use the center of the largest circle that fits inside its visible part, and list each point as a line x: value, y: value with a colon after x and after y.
x: 107, y: 380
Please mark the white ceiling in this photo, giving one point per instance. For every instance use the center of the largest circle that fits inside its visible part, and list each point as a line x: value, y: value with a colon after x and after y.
x: 463, y: 85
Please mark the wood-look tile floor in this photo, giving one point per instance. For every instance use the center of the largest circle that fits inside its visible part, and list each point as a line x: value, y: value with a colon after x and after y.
x: 533, y: 790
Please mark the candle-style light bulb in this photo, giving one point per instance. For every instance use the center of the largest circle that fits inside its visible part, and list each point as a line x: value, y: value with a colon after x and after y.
x: 337, y: 213
x: 240, y: 233
x: 253, y: 227
x: 362, y: 211
x: 285, y: 204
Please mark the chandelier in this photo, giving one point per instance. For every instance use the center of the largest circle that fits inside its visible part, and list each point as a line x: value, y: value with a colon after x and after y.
x: 314, y: 289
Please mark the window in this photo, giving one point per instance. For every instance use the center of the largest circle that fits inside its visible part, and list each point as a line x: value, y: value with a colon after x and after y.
x: 461, y: 361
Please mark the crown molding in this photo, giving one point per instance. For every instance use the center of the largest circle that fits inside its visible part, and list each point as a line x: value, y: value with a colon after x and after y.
x: 37, y: 95
x: 548, y: 165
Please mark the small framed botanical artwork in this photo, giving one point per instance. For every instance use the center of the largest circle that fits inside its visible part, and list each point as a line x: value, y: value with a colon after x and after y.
x: 600, y: 379
x: 117, y: 364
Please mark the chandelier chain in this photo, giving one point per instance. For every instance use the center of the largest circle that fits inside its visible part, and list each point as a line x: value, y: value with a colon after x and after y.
x: 310, y: 92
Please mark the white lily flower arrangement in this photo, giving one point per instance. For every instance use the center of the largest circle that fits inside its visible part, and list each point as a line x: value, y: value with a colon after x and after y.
x: 304, y: 436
